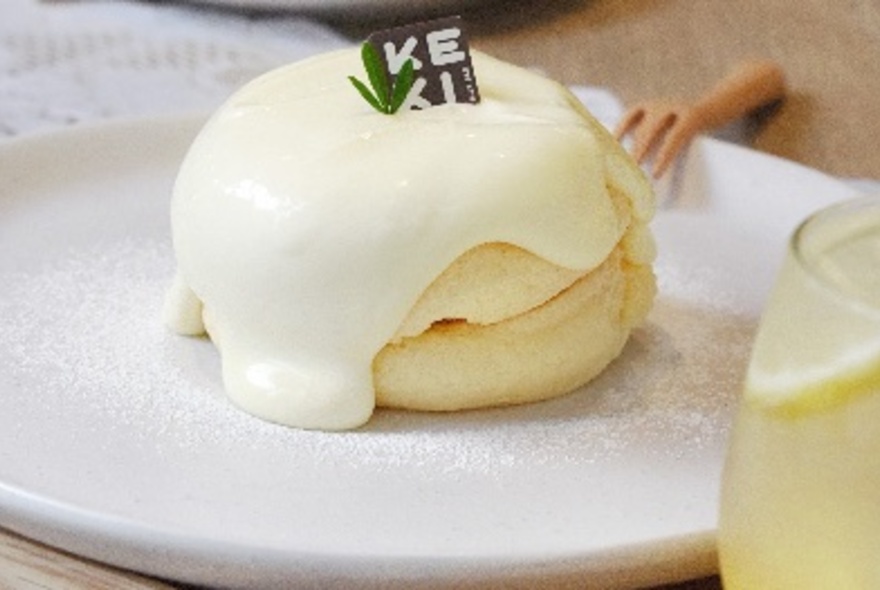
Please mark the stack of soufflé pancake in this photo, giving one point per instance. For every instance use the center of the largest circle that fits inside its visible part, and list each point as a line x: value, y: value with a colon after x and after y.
x: 462, y: 256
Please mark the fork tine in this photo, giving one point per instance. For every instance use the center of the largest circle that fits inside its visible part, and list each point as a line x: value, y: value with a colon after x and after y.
x: 630, y: 119
x: 649, y: 132
x: 676, y: 138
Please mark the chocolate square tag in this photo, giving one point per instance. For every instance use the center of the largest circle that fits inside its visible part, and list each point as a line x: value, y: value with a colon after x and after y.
x: 441, y: 59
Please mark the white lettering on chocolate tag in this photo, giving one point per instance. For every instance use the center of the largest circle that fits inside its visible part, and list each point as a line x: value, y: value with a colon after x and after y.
x: 395, y: 59
x: 443, y: 47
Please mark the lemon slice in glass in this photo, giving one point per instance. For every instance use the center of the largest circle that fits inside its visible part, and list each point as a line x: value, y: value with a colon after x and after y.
x: 811, y: 351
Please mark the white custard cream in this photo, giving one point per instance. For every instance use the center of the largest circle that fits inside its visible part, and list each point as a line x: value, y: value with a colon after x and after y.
x: 306, y: 224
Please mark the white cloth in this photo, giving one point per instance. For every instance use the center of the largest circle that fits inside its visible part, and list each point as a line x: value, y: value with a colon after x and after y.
x: 68, y: 63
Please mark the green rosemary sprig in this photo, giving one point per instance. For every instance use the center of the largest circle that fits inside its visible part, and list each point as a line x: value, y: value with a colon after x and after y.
x: 383, y: 97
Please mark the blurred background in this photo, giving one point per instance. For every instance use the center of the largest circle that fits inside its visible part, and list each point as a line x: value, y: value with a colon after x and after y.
x: 64, y: 61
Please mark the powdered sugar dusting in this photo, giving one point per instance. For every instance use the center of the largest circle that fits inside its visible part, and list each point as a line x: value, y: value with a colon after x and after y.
x: 85, y: 334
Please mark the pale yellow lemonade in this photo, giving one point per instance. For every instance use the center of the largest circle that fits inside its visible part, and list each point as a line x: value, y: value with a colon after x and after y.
x: 800, y: 504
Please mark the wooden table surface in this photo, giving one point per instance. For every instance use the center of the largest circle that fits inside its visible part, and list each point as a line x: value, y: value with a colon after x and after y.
x: 830, y: 52
x: 639, y: 49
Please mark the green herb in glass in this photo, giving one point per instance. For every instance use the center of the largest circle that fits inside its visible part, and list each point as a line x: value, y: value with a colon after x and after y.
x: 383, y: 97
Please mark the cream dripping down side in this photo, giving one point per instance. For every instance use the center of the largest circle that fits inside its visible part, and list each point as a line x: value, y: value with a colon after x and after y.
x: 306, y: 225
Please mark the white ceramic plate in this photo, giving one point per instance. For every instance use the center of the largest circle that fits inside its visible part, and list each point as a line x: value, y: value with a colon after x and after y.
x: 116, y: 442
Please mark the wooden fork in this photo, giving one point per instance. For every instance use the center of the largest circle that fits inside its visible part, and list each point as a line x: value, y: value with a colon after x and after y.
x: 747, y: 87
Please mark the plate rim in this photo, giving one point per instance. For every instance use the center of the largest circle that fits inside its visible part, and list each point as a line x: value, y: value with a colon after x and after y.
x: 120, y: 543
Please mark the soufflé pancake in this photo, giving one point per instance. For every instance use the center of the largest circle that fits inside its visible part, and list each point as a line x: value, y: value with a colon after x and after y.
x: 462, y: 256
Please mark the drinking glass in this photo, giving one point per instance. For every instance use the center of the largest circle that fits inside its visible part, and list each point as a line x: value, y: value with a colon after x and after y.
x: 800, y: 505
